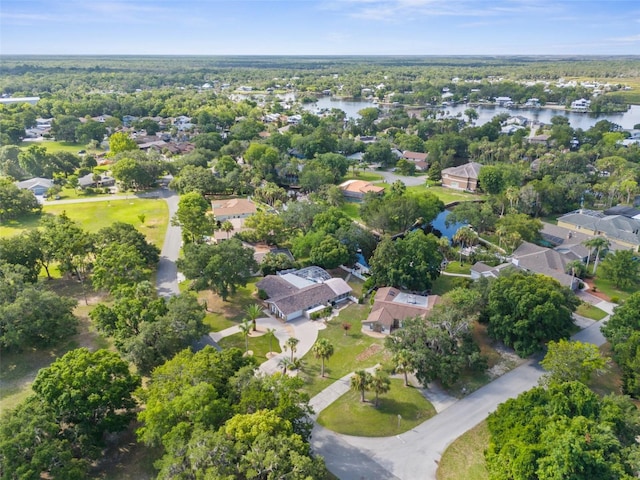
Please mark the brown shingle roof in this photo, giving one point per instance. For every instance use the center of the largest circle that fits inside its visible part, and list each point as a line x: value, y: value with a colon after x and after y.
x: 235, y: 206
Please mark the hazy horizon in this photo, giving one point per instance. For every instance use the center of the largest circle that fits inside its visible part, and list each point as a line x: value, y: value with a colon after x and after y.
x: 320, y: 28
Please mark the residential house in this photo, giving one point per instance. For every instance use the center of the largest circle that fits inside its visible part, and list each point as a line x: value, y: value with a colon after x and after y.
x: 391, y: 308
x: 37, y: 185
x: 532, y: 103
x: 94, y: 180
x: 127, y: 120
x: 233, y: 208
x: 542, y: 139
x: 419, y: 159
x: 581, y: 105
x: 463, y: 177
x: 550, y: 262
x: 624, y: 231
x: 536, y: 259
x: 291, y: 295
x: 504, y: 101
x: 355, y: 190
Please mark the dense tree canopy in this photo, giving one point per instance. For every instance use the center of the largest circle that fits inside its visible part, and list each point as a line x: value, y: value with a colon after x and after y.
x: 412, y: 262
x: 31, y: 316
x: 223, y: 267
x: 15, y: 202
x: 623, y: 332
x: 565, y: 431
x: 527, y: 310
x: 59, y: 430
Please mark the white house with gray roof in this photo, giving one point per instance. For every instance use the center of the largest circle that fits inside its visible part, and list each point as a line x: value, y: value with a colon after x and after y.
x: 293, y: 294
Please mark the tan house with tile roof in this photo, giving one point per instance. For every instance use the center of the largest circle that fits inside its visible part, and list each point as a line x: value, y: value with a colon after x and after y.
x: 391, y: 307
x: 356, y: 189
x: 463, y: 177
x: 233, y: 208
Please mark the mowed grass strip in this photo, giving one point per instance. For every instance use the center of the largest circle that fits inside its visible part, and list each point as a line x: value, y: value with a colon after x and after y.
x: 352, y: 351
x: 349, y: 416
x: 464, y: 458
x: 589, y: 311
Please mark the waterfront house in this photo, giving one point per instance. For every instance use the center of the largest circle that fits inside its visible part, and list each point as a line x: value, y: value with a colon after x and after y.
x: 463, y: 177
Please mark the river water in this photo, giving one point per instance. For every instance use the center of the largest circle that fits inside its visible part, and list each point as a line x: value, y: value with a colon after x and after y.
x: 577, y: 119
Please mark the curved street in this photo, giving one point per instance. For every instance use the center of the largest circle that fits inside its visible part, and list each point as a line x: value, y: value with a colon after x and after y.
x: 414, y: 455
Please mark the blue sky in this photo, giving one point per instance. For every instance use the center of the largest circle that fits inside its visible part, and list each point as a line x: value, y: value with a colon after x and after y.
x: 320, y: 27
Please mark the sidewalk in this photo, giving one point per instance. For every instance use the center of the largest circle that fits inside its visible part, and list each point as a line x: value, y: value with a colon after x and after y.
x: 334, y: 391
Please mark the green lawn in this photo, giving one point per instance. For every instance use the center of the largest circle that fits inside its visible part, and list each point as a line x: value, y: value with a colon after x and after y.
x: 349, y: 416
x: 15, y: 227
x: 447, y: 195
x: 366, y: 176
x: 352, y: 209
x: 53, y: 146
x: 610, y: 290
x: 352, y: 351
x: 258, y: 345
x: 93, y: 216
x: 589, y: 311
x: 444, y: 283
x: 454, y: 267
x: 464, y: 458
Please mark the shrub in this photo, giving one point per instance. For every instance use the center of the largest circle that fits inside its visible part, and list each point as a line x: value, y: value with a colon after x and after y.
x: 615, y: 299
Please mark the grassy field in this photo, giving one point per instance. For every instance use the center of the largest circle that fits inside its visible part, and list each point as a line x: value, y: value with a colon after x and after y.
x: 53, y: 146
x: 464, y: 458
x: 259, y: 345
x: 349, y: 416
x: 589, y: 311
x: 93, y: 216
x: 352, y: 351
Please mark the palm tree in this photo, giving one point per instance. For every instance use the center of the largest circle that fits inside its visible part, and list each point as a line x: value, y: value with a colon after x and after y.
x: 227, y: 227
x: 403, y: 362
x: 291, y: 344
x: 360, y: 382
x: 253, y: 311
x: 245, y: 329
x: 271, y: 332
x: 322, y: 349
x: 379, y: 383
x: 285, y: 363
x: 465, y: 236
x: 598, y: 243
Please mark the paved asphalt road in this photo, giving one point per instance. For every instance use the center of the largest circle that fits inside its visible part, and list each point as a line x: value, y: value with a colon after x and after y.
x: 414, y: 455
x: 167, y: 274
